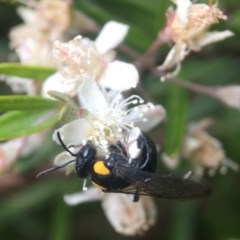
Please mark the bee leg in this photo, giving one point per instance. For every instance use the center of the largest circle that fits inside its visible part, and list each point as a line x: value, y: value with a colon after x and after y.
x: 136, y: 196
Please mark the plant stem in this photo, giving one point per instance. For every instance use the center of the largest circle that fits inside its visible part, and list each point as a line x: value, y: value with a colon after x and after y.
x: 147, y: 62
x: 209, y: 91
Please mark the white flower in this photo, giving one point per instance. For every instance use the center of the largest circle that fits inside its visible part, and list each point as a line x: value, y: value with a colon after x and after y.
x: 187, y: 27
x: 9, y: 151
x: 112, y: 34
x: 229, y: 95
x: 119, y: 76
x: 44, y: 22
x: 206, y: 151
x: 12, y: 149
x: 82, y: 58
x: 109, y: 116
x: 203, y: 151
x: 127, y: 217
x: 21, y: 85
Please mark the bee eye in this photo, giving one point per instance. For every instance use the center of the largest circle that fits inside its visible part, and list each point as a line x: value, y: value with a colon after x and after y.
x: 88, y: 151
x: 85, y: 152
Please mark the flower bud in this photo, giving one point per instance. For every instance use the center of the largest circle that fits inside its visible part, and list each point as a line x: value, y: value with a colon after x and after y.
x: 229, y: 95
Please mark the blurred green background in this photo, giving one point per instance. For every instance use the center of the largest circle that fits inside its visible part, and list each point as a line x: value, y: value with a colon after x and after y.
x: 33, y: 208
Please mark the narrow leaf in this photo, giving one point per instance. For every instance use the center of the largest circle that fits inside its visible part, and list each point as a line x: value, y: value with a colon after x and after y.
x: 183, y: 224
x: 21, y: 102
x: 26, y: 71
x: 177, y: 119
x: 22, y: 123
x: 28, y: 199
x: 60, y: 228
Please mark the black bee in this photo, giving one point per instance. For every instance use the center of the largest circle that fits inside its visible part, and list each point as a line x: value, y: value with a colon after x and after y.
x: 120, y: 173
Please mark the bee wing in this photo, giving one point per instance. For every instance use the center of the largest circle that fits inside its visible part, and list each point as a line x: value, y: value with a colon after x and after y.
x: 164, y: 186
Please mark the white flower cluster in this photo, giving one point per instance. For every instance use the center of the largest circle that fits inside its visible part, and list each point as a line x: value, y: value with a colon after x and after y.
x: 89, y: 72
x: 188, y: 28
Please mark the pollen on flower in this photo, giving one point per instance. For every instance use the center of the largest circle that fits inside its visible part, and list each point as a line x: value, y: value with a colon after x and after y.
x: 195, y: 20
x: 188, y: 27
x: 44, y: 22
x: 202, y: 16
x: 78, y: 58
x: 113, y: 121
x: 109, y: 116
x: 120, y: 110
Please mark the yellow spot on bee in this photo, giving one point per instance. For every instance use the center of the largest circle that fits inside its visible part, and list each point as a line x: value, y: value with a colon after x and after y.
x: 100, y: 168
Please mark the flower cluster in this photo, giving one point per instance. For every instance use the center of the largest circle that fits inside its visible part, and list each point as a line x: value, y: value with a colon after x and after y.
x: 188, y: 28
x: 203, y: 151
x: 82, y: 58
x: 89, y: 71
x: 96, y: 88
x: 33, y: 39
x: 43, y: 23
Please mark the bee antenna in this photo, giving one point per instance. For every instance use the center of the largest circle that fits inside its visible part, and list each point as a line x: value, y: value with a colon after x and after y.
x: 54, y: 168
x: 63, y: 144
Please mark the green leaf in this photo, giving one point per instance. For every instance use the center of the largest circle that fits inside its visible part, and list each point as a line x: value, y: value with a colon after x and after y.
x: 177, y: 110
x: 60, y: 227
x: 28, y: 200
x: 26, y: 71
x: 214, y: 71
x: 145, y: 18
x: 21, y: 102
x: 22, y: 123
x: 183, y: 224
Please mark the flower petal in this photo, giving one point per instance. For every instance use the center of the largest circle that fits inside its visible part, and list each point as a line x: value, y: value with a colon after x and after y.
x: 21, y: 85
x: 9, y: 151
x: 171, y: 162
x: 230, y: 95
x: 151, y: 116
x: 73, y: 133
x: 214, y: 36
x: 128, y: 217
x: 111, y: 36
x: 62, y: 158
x: 53, y: 83
x: 174, y: 59
x: 31, y: 143
x: 133, y: 146
x: 120, y: 76
x: 182, y: 9
x: 92, y: 194
x: 28, y: 15
x: 91, y: 97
